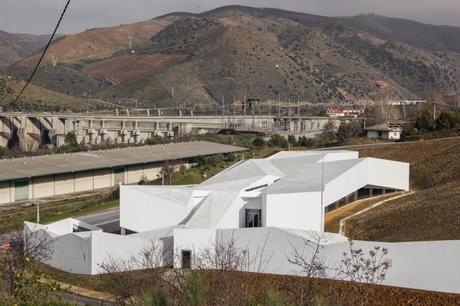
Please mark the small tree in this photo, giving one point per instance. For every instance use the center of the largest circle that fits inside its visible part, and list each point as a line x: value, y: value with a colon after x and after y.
x: 371, y: 268
x: 446, y: 121
x: 311, y: 264
x: 328, y: 135
x: 305, y: 142
x: 292, y: 141
x: 278, y: 141
x: 149, y: 275
x: 348, y: 131
x: 424, y: 121
x: 21, y: 283
x: 259, y: 142
x: 71, y: 139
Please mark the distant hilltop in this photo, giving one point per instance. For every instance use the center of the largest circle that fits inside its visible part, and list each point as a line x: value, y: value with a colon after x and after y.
x: 235, y: 52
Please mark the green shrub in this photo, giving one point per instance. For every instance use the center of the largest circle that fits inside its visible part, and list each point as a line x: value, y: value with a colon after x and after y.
x: 156, y: 298
x: 348, y: 131
x: 292, y: 141
x: 278, y: 141
x: 196, y: 289
x: 424, y: 122
x: 259, y: 142
x: 447, y: 121
x: 272, y: 297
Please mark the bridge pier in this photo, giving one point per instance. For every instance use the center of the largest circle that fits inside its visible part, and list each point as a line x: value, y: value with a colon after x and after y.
x: 44, y: 129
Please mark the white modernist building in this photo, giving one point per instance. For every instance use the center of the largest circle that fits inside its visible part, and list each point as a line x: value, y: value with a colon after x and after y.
x: 273, y: 204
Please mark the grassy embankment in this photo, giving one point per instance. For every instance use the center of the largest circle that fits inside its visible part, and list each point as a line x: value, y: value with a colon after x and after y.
x: 432, y: 212
x: 13, y: 216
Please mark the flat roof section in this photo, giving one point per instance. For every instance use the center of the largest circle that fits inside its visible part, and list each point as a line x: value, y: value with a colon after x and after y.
x: 22, y: 168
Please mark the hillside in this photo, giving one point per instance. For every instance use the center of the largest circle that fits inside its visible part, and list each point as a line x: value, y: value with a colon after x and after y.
x: 235, y: 52
x: 38, y: 98
x: 100, y: 43
x: 432, y: 212
x: 14, y: 47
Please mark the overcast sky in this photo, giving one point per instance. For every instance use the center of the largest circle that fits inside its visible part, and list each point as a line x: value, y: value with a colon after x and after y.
x: 39, y: 16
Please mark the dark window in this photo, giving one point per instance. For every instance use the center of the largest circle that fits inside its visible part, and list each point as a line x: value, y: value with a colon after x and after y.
x: 253, y: 218
x: 186, y: 259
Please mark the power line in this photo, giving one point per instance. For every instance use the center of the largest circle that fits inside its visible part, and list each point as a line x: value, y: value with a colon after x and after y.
x: 43, y: 54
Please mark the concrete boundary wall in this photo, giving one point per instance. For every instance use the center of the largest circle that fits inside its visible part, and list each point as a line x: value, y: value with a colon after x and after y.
x: 427, y: 265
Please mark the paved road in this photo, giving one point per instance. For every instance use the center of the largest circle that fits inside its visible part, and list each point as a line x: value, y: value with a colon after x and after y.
x: 108, y: 220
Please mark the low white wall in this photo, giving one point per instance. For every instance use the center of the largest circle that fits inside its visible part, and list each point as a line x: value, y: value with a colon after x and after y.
x: 431, y: 265
x: 71, y: 254
x: 192, y: 240
x: 106, y: 247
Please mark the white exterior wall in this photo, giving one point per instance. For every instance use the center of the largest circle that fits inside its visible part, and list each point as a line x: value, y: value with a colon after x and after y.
x: 134, y: 174
x: 64, y: 184
x: 394, y: 135
x: 105, y: 246
x: 192, y: 240
x: 102, y: 178
x: 5, y: 192
x: 373, y: 134
x: 347, y: 183
x: 42, y: 187
x: 83, y: 181
x: 293, y: 210
x: 140, y: 211
x: 72, y: 254
x: 388, y: 174
x: 152, y: 171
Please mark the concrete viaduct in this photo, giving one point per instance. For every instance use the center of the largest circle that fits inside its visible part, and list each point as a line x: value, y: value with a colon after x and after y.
x: 32, y: 130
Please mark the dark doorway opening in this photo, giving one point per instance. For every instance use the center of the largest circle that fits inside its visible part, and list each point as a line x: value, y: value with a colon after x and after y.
x: 186, y: 259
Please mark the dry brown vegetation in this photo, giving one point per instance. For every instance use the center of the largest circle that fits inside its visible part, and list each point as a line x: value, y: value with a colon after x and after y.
x: 432, y: 212
x: 284, y: 289
x: 332, y: 219
x: 39, y: 98
x: 239, y: 52
x: 100, y: 43
x: 128, y: 67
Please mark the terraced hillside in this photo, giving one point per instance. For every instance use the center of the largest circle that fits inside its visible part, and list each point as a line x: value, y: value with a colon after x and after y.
x: 235, y: 52
x: 433, y: 211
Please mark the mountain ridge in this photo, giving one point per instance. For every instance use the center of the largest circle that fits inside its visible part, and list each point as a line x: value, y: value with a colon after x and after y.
x: 234, y: 52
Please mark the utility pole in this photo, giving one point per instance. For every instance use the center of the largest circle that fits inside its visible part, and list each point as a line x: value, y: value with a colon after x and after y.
x: 38, y: 212
x: 279, y: 106
x: 298, y: 106
x: 322, y: 188
x: 223, y: 110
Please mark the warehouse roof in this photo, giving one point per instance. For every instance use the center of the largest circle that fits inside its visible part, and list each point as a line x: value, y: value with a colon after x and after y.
x: 20, y: 168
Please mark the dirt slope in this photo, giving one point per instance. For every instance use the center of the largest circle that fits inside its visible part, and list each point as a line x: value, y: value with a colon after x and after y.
x: 433, y: 211
x: 100, y: 43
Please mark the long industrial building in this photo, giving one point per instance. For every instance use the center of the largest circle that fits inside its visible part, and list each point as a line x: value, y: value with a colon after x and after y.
x: 46, y: 176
